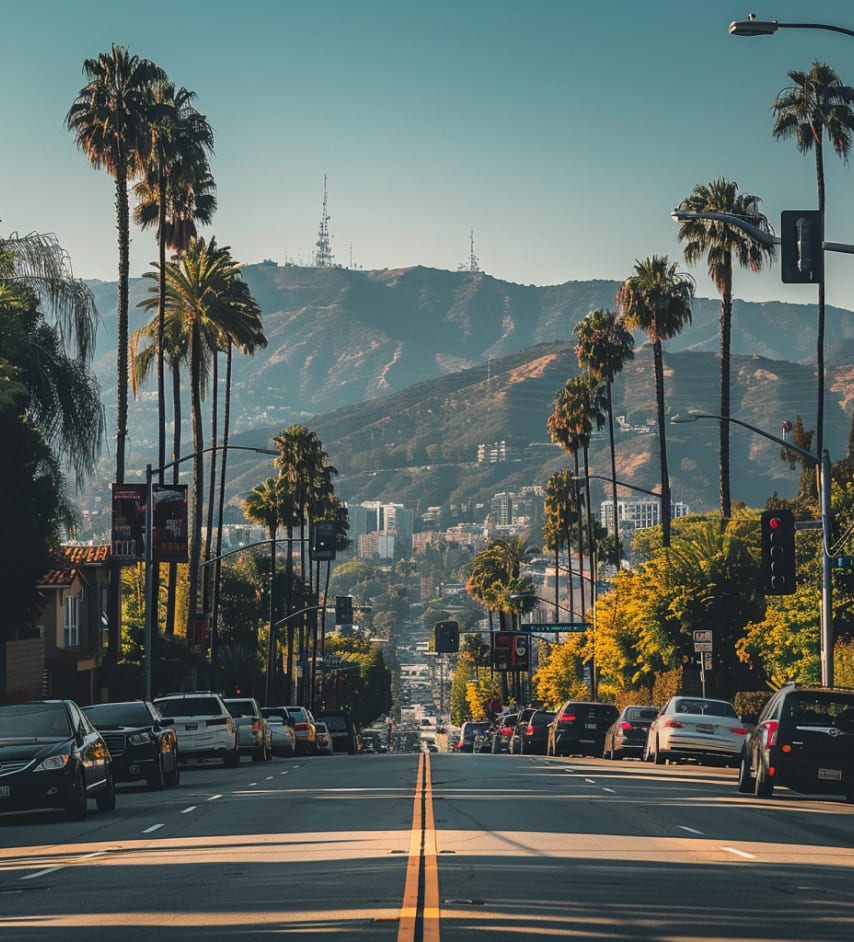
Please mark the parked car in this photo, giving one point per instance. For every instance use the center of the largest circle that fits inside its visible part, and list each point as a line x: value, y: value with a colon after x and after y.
x: 282, y: 738
x: 342, y: 729
x: 695, y: 728
x: 803, y: 739
x: 205, y: 728
x: 578, y: 728
x: 303, y: 726
x: 473, y: 737
x: 521, y: 723
x: 253, y: 732
x: 142, y: 743
x: 626, y: 736
x: 532, y: 733
x: 324, y: 739
x: 51, y: 756
x: 502, y: 732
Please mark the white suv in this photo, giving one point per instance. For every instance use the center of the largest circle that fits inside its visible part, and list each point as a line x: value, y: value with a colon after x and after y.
x: 204, y: 726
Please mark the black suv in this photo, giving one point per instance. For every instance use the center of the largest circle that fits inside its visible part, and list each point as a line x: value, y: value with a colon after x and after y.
x: 803, y: 739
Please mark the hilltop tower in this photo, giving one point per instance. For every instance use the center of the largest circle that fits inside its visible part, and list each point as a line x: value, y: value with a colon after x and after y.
x: 472, y: 264
x: 323, y: 257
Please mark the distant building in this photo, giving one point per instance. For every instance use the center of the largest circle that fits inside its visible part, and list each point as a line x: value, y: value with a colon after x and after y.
x: 639, y: 514
x: 496, y: 452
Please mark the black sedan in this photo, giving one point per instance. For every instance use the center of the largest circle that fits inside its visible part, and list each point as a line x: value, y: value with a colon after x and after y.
x: 51, y: 756
x: 626, y: 736
x: 143, y: 744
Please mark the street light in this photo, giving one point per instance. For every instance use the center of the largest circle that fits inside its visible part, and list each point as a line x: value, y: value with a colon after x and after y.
x: 753, y: 27
x: 823, y: 462
x: 149, y: 541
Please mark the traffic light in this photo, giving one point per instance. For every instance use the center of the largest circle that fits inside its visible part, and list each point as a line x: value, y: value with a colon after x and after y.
x: 778, y: 552
x: 446, y: 637
x: 343, y: 609
x: 323, y: 537
x: 520, y: 653
x: 801, y: 246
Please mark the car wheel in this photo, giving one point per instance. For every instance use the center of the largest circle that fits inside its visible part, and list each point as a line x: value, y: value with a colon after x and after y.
x: 260, y: 755
x: 105, y: 800
x: 232, y: 759
x: 763, y: 786
x: 745, y: 779
x: 173, y: 777
x: 659, y: 757
x: 75, y: 805
x: 156, y: 780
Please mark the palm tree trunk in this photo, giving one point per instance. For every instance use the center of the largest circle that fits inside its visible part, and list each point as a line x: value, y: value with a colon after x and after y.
x: 617, y: 549
x: 726, y: 339
x: 271, y: 640
x: 198, y: 475
x: 578, y: 511
x: 658, y: 362
x: 206, y: 590
x: 123, y: 217
x: 819, y: 422
x: 172, y: 590
x: 217, y: 566
x: 161, y: 325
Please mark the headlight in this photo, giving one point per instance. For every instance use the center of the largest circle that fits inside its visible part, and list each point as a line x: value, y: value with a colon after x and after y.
x: 52, y: 763
x: 139, y: 739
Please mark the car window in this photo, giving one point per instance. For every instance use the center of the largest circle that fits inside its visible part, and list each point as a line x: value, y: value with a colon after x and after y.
x: 640, y: 714
x: 43, y: 720
x: 246, y: 707
x: 822, y: 710
x: 190, y: 706
x: 118, y: 714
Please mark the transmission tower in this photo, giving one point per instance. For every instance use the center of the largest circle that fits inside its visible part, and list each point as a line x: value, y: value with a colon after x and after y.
x: 472, y: 264
x: 323, y: 257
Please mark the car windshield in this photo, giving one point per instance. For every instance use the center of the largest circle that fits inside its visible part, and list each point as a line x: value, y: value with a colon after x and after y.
x: 118, y: 714
x: 190, y: 706
x: 242, y: 707
x: 29, y: 720
x: 640, y: 714
x: 705, y: 708
x: 822, y: 710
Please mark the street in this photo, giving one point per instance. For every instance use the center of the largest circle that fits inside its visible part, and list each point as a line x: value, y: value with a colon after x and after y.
x: 436, y: 846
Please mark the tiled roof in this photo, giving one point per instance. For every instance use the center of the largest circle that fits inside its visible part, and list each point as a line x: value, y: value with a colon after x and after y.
x: 87, y: 555
x: 69, y: 561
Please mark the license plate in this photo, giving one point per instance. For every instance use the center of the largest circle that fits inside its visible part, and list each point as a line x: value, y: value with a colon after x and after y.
x: 705, y: 728
x: 830, y: 775
x: 590, y: 726
x: 188, y: 726
x: 5, y: 791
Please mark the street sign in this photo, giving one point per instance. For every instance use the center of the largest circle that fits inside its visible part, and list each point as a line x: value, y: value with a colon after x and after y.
x: 842, y: 563
x: 702, y: 646
x: 707, y: 662
x: 702, y: 635
x: 556, y: 626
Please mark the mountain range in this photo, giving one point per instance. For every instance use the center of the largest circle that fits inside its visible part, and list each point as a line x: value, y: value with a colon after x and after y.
x: 404, y: 373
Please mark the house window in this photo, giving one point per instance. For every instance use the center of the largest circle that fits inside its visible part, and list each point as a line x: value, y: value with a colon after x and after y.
x: 71, y: 636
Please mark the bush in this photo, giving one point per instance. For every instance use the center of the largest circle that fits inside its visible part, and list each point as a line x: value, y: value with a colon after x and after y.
x: 748, y: 703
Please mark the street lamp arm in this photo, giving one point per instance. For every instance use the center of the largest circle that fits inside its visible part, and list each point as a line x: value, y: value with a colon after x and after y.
x: 208, y: 450
x: 631, y: 487
x: 301, y: 611
x: 753, y: 27
x: 693, y: 416
x: 536, y: 598
x: 768, y: 239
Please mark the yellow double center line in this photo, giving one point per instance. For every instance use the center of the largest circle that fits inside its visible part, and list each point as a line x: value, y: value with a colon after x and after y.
x: 419, y: 914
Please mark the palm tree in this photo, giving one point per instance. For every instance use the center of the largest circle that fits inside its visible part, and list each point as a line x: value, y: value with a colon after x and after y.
x: 604, y: 347
x: 818, y: 104
x: 181, y: 141
x: 110, y: 119
x: 657, y: 299
x: 720, y: 242
x: 561, y: 493
x: 201, y: 294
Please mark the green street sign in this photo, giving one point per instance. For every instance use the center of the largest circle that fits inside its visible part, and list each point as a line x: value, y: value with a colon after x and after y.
x: 557, y: 626
x: 842, y: 563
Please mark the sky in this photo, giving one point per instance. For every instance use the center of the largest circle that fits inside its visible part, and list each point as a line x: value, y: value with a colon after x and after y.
x: 557, y: 134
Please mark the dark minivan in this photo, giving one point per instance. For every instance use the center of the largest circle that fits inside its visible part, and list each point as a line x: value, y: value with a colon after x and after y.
x: 804, y: 740
x: 579, y: 728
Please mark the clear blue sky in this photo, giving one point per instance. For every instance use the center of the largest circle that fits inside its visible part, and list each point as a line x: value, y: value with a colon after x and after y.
x: 562, y: 133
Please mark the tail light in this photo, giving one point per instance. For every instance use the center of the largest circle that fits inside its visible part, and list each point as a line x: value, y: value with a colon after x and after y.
x: 567, y: 718
x: 738, y: 730
x: 255, y: 726
x: 625, y: 726
x: 769, y: 733
x: 219, y: 721
x: 506, y: 730
x: 529, y: 729
x: 673, y: 724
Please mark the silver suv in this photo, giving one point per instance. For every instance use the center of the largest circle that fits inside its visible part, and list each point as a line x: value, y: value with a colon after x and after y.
x: 205, y: 728
x: 253, y: 733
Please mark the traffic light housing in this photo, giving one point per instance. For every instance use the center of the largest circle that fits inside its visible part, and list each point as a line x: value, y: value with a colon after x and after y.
x: 323, y: 538
x: 801, y: 246
x: 520, y: 653
x: 446, y: 637
x: 778, y: 552
x: 343, y: 609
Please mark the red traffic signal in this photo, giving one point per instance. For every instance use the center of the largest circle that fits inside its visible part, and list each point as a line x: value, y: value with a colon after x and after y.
x: 778, y: 571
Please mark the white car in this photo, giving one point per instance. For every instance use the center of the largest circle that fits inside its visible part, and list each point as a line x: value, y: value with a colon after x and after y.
x: 205, y: 728
x: 695, y: 728
x: 323, y: 739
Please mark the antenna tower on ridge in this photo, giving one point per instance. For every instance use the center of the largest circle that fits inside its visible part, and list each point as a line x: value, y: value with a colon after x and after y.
x: 323, y: 257
x: 472, y: 264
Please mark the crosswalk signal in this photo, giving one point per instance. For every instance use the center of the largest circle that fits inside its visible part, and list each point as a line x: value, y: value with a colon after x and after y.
x: 446, y: 637
x: 343, y: 609
x: 323, y: 538
x: 778, y: 552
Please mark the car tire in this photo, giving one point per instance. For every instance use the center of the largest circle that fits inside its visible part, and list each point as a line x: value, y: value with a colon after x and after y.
x: 260, y: 755
x: 763, y: 787
x: 156, y: 780
x: 659, y: 757
x: 745, y: 779
x: 75, y: 805
x: 173, y: 777
x: 105, y: 800
x: 232, y: 758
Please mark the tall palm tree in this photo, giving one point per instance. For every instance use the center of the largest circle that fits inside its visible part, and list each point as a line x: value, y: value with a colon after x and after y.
x: 604, y: 346
x: 721, y: 242
x: 816, y: 106
x: 201, y: 294
x: 657, y: 299
x: 110, y: 119
x: 181, y: 142
x: 559, y: 499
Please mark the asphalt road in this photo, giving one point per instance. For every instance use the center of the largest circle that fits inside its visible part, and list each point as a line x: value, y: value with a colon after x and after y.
x: 422, y: 848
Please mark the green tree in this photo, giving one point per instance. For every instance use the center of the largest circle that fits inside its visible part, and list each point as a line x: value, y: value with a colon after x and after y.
x: 110, y: 119
x: 721, y: 242
x: 657, y: 300
x: 603, y: 347
x: 816, y: 106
